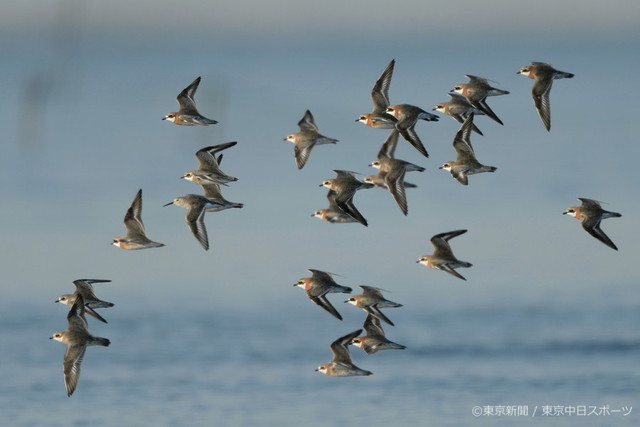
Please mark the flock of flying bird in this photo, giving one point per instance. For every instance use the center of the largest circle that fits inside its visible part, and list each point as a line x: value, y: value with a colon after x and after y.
x: 210, y: 178
x: 77, y: 337
x: 371, y: 301
x: 468, y: 100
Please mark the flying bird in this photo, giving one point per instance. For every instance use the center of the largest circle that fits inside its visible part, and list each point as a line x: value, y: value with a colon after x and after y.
x: 77, y: 338
x: 341, y: 364
x: 442, y: 257
x: 188, y: 114
x: 342, y: 188
x: 84, y: 288
x: 209, y: 171
x: 591, y: 213
x: 306, y: 139
x: 408, y: 116
x: 394, y: 170
x: 375, y: 340
x: 318, y: 286
x: 379, y: 118
x: 196, y: 206
x: 543, y: 75
x: 466, y: 163
x: 333, y: 213
x: 371, y: 301
x: 136, y: 237
x: 458, y: 108
x: 476, y: 91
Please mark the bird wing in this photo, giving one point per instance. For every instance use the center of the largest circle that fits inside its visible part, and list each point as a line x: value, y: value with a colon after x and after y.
x: 388, y: 149
x: 540, y: 93
x: 380, y: 91
x: 307, y: 123
x: 395, y: 183
x: 409, y: 133
x: 75, y: 317
x: 133, y: 218
x: 372, y: 326
x: 195, y: 220
x: 450, y: 270
x: 71, y: 365
x: 323, y: 302
x: 302, y: 151
x: 592, y: 226
x: 186, y: 101
x: 374, y: 311
x: 340, y: 348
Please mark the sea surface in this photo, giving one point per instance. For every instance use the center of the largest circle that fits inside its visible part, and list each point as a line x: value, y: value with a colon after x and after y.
x: 168, y: 365
x: 544, y: 331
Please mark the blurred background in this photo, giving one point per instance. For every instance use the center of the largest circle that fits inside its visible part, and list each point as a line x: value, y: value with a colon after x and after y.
x: 202, y: 335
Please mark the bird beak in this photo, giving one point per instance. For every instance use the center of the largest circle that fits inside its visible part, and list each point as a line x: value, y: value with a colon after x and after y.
x: 170, y: 203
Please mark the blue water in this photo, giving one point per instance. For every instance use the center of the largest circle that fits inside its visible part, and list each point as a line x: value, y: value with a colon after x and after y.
x: 171, y: 364
x: 548, y: 316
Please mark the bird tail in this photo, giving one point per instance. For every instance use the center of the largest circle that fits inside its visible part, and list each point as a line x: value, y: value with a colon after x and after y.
x: 396, y: 346
x: 101, y: 341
